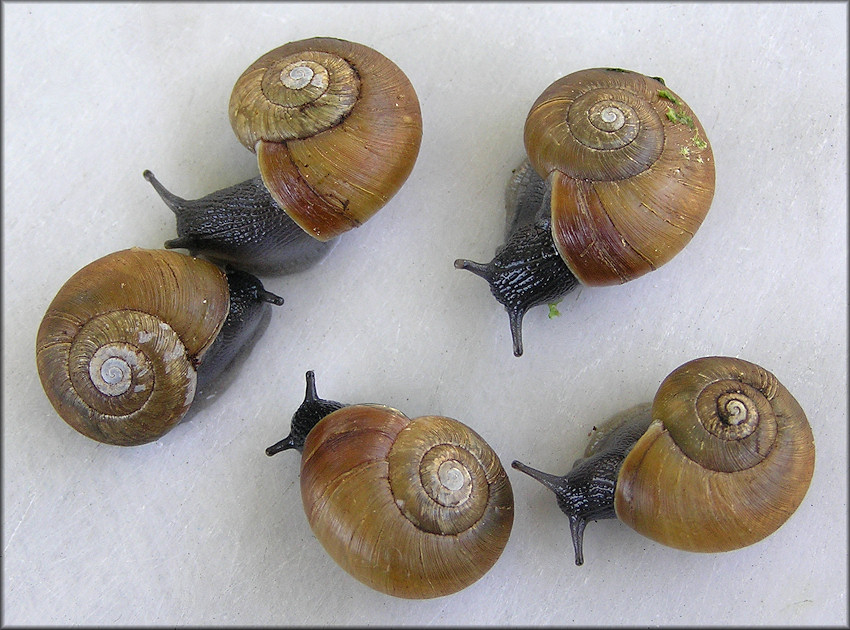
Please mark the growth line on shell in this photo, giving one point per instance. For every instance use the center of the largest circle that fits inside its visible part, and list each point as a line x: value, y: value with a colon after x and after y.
x: 594, y: 240
x: 665, y: 219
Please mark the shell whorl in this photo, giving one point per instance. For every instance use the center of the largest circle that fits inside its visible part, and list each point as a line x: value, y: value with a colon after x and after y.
x: 630, y: 167
x: 289, y: 93
x: 117, y: 347
x: 413, y: 508
x: 336, y: 127
x: 727, y: 459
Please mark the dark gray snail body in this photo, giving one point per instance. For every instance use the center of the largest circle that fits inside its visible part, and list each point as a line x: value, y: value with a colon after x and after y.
x: 130, y: 338
x: 619, y: 177
x: 248, y: 305
x: 336, y: 127
x: 242, y: 225
x: 415, y: 508
x: 586, y: 493
x: 720, y: 460
x: 527, y: 270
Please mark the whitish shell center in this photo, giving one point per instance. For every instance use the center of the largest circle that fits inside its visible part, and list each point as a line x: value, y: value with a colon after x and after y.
x: 451, y: 475
x: 111, y: 369
x: 297, y: 76
x: 114, y: 370
x: 737, y: 412
x: 613, y: 117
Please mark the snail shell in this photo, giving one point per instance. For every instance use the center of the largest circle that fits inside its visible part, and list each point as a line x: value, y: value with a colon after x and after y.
x: 619, y: 177
x: 439, y: 504
x: 413, y: 508
x: 728, y: 458
x: 630, y: 168
x: 336, y: 127
x: 719, y: 461
x: 119, y: 348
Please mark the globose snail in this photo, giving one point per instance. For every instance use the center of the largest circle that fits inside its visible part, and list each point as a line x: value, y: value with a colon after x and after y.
x: 720, y: 460
x: 130, y: 337
x: 336, y: 127
x: 415, y: 508
x: 618, y: 177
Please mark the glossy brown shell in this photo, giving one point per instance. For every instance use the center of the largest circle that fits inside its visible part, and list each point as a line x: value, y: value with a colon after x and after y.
x: 336, y: 127
x: 117, y: 348
x: 631, y: 171
x: 727, y: 459
x: 413, y: 508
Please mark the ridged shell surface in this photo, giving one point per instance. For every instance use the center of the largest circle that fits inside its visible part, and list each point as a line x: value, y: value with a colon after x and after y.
x: 336, y: 127
x: 118, y: 345
x: 727, y: 459
x: 413, y: 508
x: 631, y: 171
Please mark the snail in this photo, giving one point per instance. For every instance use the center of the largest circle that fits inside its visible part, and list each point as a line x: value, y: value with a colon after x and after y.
x: 415, y: 508
x: 130, y: 337
x: 618, y: 178
x: 720, y: 460
x: 336, y: 127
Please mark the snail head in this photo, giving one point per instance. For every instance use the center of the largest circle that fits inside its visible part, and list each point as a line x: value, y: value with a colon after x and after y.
x: 584, y: 494
x: 308, y: 415
x: 526, y: 271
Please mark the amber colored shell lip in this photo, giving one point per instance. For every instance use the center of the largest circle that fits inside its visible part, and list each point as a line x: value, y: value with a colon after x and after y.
x: 341, y: 175
x: 611, y: 225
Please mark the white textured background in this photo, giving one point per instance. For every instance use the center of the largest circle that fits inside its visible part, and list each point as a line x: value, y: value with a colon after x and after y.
x: 201, y: 527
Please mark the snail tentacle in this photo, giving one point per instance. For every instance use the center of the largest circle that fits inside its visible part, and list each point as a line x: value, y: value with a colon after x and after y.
x: 414, y: 508
x: 720, y: 460
x: 619, y: 175
x: 241, y: 224
x: 248, y: 298
x: 336, y: 128
x: 128, y: 339
x: 308, y: 415
x: 525, y: 272
x: 587, y: 492
x: 569, y: 502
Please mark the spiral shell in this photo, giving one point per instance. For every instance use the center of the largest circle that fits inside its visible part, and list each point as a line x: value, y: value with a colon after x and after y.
x: 631, y: 171
x: 413, y: 508
x: 336, y: 127
x: 727, y: 459
x: 117, y: 348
